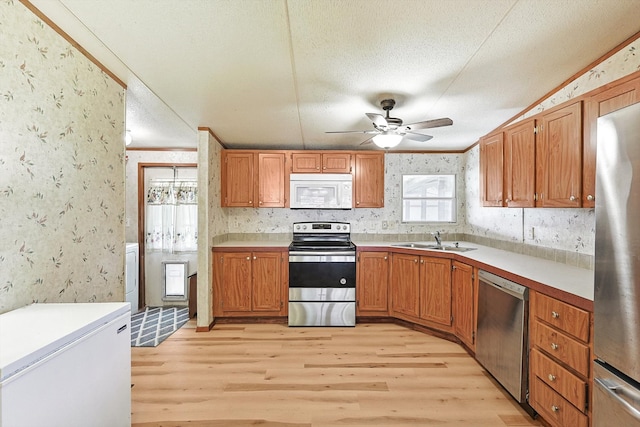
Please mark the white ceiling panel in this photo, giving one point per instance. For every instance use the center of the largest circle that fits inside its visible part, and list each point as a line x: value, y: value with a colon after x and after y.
x: 281, y: 73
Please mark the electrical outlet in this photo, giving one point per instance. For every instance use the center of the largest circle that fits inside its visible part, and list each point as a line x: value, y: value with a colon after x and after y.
x: 385, y: 225
x: 128, y: 222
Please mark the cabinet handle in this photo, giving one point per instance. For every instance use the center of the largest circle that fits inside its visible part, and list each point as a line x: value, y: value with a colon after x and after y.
x: 248, y: 258
x: 572, y: 198
x: 508, y: 200
x: 250, y: 202
x: 554, y: 346
x: 590, y: 198
x: 385, y: 258
x: 421, y: 261
x: 254, y: 257
x: 552, y: 377
x: 415, y: 260
x: 554, y: 408
x: 555, y: 314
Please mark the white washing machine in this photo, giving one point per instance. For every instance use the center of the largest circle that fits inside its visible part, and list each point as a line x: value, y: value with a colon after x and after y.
x: 131, y: 275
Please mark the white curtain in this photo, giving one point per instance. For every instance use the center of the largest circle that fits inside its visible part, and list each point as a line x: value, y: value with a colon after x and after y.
x: 172, y: 217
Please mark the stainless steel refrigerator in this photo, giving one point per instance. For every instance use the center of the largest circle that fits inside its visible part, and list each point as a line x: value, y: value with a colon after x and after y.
x: 616, y: 391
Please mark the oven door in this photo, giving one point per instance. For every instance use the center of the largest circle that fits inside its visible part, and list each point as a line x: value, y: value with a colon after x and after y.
x: 322, y: 269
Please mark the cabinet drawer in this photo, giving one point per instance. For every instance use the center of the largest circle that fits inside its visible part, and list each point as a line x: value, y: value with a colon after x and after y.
x: 561, y: 347
x: 563, y: 316
x: 559, y: 379
x: 553, y: 407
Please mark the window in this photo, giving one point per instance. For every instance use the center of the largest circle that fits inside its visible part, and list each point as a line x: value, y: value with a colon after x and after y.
x: 428, y: 198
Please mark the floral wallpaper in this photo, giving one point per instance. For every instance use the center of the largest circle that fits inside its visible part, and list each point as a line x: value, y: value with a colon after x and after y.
x: 62, y: 160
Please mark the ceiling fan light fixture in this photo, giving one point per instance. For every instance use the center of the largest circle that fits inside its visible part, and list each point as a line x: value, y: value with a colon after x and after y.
x: 387, y: 140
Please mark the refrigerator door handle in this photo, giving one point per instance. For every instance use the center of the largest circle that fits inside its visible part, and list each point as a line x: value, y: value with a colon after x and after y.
x: 617, y: 391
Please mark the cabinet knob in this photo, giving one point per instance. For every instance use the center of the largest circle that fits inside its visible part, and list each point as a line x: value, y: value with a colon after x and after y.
x: 385, y: 258
x: 554, y: 346
x: 555, y: 314
x: 415, y: 260
x: 254, y: 257
x: 590, y: 198
x: 508, y: 200
x: 421, y: 261
x: 250, y: 202
x: 248, y: 258
x: 357, y: 203
x: 554, y: 408
x: 552, y: 377
x: 573, y: 198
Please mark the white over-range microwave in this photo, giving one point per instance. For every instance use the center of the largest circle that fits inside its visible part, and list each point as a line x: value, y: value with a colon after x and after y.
x: 321, y: 191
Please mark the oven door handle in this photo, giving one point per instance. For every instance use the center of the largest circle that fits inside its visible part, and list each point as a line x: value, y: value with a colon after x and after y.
x: 320, y: 256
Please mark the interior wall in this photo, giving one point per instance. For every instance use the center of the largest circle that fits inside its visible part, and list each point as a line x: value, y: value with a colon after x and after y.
x: 379, y: 221
x: 62, y: 237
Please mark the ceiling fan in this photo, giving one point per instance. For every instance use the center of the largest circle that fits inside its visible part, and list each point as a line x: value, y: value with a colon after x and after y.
x: 389, y: 131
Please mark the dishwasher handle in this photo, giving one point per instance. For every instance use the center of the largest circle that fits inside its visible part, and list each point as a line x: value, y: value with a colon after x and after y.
x: 504, y: 285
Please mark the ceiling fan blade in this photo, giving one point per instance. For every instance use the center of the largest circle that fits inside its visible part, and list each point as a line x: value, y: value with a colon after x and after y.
x: 371, y: 132
x: 367, y: 141
x: 378, y: 120
x: 435, y: 123
x: 417, y: 136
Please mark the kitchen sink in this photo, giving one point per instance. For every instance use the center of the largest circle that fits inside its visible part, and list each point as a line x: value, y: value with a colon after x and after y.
x: 452, y: 248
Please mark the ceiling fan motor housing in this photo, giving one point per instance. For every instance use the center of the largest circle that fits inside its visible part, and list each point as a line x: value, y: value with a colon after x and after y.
x: 387, y: 105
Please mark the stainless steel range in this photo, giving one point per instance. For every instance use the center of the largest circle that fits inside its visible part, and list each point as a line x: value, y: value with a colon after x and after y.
x: 322, y: 275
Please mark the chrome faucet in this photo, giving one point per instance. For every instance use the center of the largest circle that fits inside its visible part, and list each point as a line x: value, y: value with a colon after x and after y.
x: 436, y: 236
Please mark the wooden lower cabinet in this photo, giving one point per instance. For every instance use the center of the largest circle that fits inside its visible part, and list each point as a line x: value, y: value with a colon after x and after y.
x: 464, y: 285
x: 250, y: 283
x: 372, y: 284
x: 435, y: 290
x: 560, y: 359
x: 405, y: 285
x: 421, y: 290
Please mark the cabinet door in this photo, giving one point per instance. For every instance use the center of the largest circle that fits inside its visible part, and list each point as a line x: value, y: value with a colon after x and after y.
x: 612, y: 99
x: 371, y: 288
x: 559, y: 158
x: 405, y: 284
x: 271, y: 180
x: 464, y: 307
x: 519, y: 165
x: 336, y: 163
x: 369, y: 180
x: 435, y: 290
x: 239, y: 179
x: 491, y: 178
x: 267, y: 281
x: 235, y: 281
x: 306, y: 162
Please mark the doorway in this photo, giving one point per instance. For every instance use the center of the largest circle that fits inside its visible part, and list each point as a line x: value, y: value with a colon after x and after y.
x: 167, y: 230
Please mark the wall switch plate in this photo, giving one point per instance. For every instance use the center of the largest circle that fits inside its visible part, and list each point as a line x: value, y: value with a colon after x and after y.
x: 531, y: 233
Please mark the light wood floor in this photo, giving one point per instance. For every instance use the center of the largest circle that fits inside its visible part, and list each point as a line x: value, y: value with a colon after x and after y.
x: 276, y: 376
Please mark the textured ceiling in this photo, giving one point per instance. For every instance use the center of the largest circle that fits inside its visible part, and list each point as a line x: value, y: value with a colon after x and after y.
x: 281, y: 73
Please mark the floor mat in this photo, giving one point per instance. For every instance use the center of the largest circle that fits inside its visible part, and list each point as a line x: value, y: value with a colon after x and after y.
x: 153, y: 325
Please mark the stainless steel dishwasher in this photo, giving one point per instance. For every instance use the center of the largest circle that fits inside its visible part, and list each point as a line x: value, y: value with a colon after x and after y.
x: 502, y: 339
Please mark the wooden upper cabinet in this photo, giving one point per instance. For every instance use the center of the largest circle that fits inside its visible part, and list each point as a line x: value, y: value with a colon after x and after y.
x: 435, y: 290
x: 271, y: 180
x: 306, y: 162
x: 238, y: 178
x: 336, y: 163
x: 316, y: 162
x: 519, y: 164
x: 491, y: 163
x: 369, y: 180
x: 612, y: 99
x: 559, y: 158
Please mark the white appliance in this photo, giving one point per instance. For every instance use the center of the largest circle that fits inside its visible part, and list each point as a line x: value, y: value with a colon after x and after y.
x: 131, y: 276
x: 321, y: 191
x: 66, y: 365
